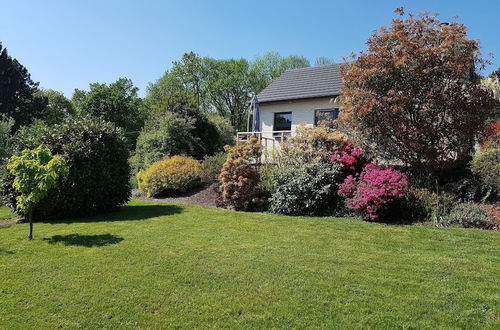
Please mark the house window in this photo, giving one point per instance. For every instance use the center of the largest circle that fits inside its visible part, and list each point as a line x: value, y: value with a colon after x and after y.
x: 325, y: 116
x: 282, y: 121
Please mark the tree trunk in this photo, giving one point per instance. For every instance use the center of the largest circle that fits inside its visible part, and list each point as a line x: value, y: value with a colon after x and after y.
x: 30, y: 218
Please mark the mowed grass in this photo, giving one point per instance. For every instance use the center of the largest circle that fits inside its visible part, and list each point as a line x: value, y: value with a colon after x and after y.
x: 6, y: 213
x: 160, y: 266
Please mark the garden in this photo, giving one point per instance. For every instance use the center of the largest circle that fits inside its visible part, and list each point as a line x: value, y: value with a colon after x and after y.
x: 387, y: 217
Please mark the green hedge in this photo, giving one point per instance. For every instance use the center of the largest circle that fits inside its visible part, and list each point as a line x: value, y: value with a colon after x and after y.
x: 99, y: 172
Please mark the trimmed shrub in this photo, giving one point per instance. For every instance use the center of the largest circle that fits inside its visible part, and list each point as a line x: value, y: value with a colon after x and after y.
x: 177, y: 173
x: 306, y: 189
x: 212, y: 166
x: 239, y: 178
x: 470, y: 215
x: 373, y: 190
x: 97, y: 158
x: 486, y: 165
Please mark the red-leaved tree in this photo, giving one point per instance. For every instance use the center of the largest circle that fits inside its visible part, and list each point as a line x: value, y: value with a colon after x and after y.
x: 414, y: 95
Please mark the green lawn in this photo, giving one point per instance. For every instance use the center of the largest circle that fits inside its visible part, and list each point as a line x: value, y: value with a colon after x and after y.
x: 156, y: 265
x: 6, y: 213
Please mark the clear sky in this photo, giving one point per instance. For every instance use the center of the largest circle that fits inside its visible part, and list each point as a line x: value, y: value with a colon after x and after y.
x: 67, y: 44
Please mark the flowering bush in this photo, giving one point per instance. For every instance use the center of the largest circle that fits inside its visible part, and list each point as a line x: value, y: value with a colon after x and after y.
x: 352, y: 158
x: 373, y: 189
x: 178, y: 173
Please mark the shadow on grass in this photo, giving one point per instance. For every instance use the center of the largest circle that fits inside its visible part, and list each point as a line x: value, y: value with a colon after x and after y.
x: 128, y: 213
x: 85, y: 240
x: 3, y: 251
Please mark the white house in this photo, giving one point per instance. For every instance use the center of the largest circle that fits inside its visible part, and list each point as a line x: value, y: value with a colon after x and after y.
x: 306, y: 95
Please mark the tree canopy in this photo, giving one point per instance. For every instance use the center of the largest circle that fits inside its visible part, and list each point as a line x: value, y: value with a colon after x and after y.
x: 415, y: 94
x: 18, y: 98
x: 117, y: 103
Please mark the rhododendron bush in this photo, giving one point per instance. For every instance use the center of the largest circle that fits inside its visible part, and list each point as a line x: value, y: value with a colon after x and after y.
x: 373, y: 189
x: 352, y: 158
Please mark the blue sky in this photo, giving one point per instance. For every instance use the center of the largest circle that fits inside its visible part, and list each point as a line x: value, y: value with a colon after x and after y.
x: 68, y: 44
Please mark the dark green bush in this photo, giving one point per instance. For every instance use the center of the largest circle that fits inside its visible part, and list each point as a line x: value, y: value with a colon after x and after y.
x: 486, y: 165
x: 182, y: 131
x: 212, y: 166
x: 470, y: 215
x: 306, y: 189
x: 97, y: 157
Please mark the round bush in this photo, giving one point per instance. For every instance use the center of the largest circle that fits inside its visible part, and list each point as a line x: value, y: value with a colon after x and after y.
x: 306, y: 189
x: 97, y: 156
x: 373, y: 190
x: 178, y: 173
x: 486, y: 165
x: 470, y: 215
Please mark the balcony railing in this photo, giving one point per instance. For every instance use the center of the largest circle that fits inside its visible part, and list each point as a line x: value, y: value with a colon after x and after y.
x: 270, y: 142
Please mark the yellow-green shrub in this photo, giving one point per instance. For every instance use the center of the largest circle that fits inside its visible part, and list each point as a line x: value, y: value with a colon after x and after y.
x: 177, y: 173
x: 311, y: 144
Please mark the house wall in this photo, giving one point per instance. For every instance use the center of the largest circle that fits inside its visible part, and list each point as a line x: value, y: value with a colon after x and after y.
x: 302, y: 112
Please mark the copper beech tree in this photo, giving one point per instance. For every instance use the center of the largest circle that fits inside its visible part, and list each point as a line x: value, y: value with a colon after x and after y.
x: 414, y: 95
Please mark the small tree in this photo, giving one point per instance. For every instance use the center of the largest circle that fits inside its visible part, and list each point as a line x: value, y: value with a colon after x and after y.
x: 415, y: 95
x: 35, y: 171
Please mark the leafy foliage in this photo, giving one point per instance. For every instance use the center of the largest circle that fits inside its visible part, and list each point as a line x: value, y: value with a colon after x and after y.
x: 181, y: 130
x: 117, y: 103
x: 373, y: 190
x: 306, y: 189
x: 271, y: 65
x: 18, y: 98
x: 239, y: 178
x: 6, y: 125
x: 311, y: 144
x: 211, y: 167
x: 229, y: 88
x: 486, y: 165
x: 406, y: 94
x: 435, y: 206
x: 58, y: 106
x: 36, y: 171
x: 470, y: 215
x: 177, y: 173
x: 97, y: 158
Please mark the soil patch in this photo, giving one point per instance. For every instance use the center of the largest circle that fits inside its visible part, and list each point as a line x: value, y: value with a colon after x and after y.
x: 204, y: 196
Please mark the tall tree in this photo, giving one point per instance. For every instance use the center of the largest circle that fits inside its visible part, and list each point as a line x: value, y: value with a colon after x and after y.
x: 415, y: 95
x: 58, y: 106
x: 271, y: 65
x: 189, y: 70
x: 229, y: 87
x: 117, y: 103
x: 18, y: 99
x: 322, y: 60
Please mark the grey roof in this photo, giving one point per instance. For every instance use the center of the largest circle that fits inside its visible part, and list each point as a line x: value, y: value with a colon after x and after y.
x: 304, y: 83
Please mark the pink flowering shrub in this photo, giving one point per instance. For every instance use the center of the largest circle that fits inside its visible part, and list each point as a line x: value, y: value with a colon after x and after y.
x: 373, y: 189
x: 351, y: 157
